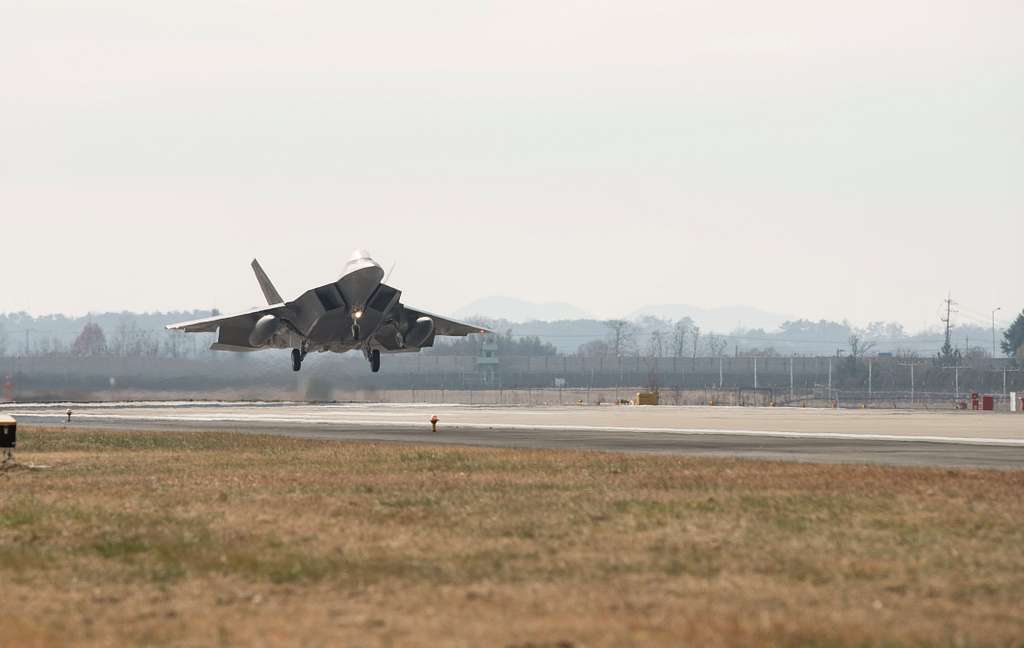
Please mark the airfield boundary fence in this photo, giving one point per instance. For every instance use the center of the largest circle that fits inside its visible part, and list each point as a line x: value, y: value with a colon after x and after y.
x: 874, y: 382
x: 738, y: 397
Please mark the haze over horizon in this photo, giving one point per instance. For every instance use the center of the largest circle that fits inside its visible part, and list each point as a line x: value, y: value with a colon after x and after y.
x: 831, y: 162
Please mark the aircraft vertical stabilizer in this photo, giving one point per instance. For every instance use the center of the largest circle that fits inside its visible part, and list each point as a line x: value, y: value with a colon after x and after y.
x: 273, y: 297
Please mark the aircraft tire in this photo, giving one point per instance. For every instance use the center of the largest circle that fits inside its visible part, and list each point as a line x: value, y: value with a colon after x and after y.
x: 296, y: 360
x: 375, y: 360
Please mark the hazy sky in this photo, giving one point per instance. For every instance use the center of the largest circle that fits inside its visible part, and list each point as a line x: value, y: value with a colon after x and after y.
x: 824, y: 159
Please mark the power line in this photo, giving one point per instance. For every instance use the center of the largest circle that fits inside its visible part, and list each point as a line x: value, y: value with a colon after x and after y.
x: 984, y: 319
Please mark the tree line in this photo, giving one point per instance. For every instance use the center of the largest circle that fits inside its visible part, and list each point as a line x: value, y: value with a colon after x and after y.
x: 143, y: 335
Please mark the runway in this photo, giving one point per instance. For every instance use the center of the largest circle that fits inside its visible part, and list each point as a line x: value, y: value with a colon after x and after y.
x: 900, y: 437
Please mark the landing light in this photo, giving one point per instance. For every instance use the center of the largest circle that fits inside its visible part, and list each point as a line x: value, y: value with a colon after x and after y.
x: 357, y: 314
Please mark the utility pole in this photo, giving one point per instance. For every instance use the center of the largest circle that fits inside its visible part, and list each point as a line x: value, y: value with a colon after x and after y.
x: 994, y: 332
x: 755, y: 373
x: 830, y: 381
x: 869, y: 381
x: 618, y: 385
x: 949, y: 310
x: 791, y: 379
x: 28, y: 339
x: 947, y: 348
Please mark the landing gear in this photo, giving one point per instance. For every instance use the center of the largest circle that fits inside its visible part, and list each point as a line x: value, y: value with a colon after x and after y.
x: 373, y: 357
x: 297, y: 357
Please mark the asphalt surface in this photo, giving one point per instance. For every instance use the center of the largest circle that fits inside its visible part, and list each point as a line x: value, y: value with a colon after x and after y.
x: 945, y: 439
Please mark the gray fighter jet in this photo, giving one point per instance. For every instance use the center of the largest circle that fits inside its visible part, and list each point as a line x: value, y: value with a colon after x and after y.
x: 358, y: 311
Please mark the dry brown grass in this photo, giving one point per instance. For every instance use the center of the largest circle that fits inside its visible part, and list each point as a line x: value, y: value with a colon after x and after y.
x: 229, y: 539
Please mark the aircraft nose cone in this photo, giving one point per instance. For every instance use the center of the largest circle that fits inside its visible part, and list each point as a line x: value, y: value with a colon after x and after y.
x: 360, y: 260
x: 361, y: 277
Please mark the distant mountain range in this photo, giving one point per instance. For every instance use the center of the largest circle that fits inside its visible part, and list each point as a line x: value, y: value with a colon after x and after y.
x: 721, y: 320
x: 725, y: 319
x: 520, y: 310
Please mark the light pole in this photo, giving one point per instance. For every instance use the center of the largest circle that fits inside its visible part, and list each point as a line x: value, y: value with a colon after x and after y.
x: 994, y: 332
x: 911, y: 365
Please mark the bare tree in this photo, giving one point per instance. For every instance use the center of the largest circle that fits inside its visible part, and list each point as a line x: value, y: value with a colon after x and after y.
x: 891, y: 330
x: 57, y: 346
x: 621, y: 337
x: 3, y: 340
x: 594, y: 349
x: 124, y: 337
x: 174, y: 343
x: 696, y: 340
x: 680, y: 333
x: 656, y: 344
x: 130, y: 340
x: 716, y: 345
x: 977, y: 353
x: 859, y: 347
x: 655, y: 350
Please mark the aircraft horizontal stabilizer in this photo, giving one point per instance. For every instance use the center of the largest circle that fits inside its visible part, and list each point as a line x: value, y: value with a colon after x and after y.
x: 449, y: 327
x: 211, y: 324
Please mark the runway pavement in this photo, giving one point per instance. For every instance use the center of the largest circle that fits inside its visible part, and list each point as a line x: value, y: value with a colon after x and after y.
x: 948, y: 438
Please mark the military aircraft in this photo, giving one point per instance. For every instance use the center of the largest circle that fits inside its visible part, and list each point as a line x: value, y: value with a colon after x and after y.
x: 358, y: 311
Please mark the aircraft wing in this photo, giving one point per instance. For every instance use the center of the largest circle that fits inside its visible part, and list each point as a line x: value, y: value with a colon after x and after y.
x: 445, y: 326
x: 211, y: 324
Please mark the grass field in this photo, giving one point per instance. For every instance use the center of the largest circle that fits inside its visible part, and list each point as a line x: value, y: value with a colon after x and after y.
x: 229, y: 539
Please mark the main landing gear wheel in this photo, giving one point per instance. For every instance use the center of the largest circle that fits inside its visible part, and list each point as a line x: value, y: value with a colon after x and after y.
x: 375, y: 360
x: 297, y: 359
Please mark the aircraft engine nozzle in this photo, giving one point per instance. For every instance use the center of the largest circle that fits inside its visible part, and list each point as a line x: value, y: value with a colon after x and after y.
x: 266, y: 328
x: 420, y: 332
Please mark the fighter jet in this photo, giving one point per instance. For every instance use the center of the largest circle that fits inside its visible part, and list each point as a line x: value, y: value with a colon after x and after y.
x: 358, y: 311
